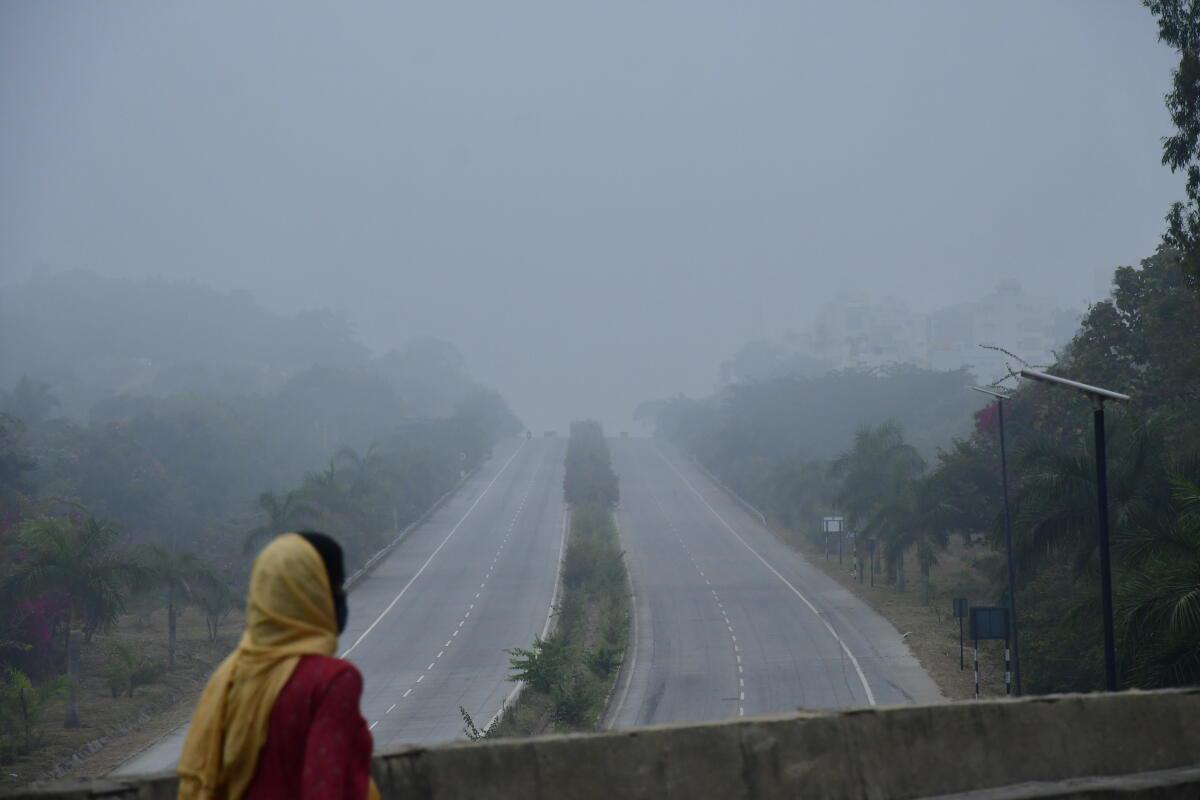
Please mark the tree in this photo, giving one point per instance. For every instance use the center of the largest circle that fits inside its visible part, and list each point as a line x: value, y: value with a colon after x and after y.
x: 180, y: 574
x: 214, y: 596
x: 1179, y: 27
x: 282, y: 513
x: 870, y: 469
x: 1054, y: 506
x: 589, y: 478
x: 129, y: 669
x: 800, y: 490
x: 30, y: 401
x: 1158, y: 595
x: 910, y: 516
x: 15, y: 459
x: 487, y: 409
x: 78, y: 559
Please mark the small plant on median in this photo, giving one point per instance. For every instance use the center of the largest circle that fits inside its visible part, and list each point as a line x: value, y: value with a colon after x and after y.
x: 540, y: 666
x: 571, y: 672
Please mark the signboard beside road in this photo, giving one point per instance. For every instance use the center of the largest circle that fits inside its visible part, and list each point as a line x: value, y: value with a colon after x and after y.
x: 990, y: 622
x: 833, y: 525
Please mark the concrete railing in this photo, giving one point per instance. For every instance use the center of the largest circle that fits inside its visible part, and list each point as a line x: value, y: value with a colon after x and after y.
x: 1133, y: 744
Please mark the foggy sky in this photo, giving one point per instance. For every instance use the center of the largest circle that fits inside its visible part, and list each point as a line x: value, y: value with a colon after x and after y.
x: 597, y: 202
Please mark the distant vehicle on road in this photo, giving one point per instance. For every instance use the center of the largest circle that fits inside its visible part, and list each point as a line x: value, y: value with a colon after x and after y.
x: 549, y: 433
x: 624, y: 434
x: 528, y: 434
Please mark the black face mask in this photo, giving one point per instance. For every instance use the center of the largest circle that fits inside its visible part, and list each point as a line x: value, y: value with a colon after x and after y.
x: 343, y: 612
x: 331, y: 555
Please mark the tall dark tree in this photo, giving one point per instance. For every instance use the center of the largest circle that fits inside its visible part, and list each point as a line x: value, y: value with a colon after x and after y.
x: 1179, y: 27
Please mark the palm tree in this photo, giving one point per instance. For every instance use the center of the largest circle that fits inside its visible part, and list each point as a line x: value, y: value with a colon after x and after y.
x: 180, y: 574
x: 214, y: 596
x: 799, y: 488
x: 326, y: 492
x: 866, y: 469
x: 363, y: 482
x: 282, y: 513
x: 80, y: 561
x: 912, y: 517
x: 1054, y: 508
x: 1158, y: 595
x: 874, y: 475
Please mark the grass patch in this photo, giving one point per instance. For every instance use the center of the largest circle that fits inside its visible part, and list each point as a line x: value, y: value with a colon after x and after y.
x: 930, y: 630
x: 114, y: 727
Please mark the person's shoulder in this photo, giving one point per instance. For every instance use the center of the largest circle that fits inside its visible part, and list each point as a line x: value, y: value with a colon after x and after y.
x: 324, y: 669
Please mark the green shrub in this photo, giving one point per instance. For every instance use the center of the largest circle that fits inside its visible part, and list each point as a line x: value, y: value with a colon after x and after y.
x: 22, y: 706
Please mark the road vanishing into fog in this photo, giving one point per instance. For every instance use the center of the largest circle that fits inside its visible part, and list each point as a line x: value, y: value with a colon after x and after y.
x: 729, y: 621
x: 430, y: 627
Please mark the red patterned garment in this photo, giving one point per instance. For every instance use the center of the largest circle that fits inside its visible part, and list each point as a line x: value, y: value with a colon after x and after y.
x: 318, y: 744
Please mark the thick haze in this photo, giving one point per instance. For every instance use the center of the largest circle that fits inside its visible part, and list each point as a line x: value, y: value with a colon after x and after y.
x: 596, y: 202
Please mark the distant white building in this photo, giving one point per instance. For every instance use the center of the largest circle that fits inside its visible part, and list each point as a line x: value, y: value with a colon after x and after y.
x: 854, y: 332
x: 1031, y: 328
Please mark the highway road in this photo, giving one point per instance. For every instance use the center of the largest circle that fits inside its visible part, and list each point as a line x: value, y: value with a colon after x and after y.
x: 729, y: 621
x: 430, y: 627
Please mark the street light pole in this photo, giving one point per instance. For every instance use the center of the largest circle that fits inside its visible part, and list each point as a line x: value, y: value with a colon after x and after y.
x: 1012, y: 569
x: 1097, y: 396
x: 1110, y: 645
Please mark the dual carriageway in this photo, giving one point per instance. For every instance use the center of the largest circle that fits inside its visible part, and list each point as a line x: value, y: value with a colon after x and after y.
x: 727, y: 620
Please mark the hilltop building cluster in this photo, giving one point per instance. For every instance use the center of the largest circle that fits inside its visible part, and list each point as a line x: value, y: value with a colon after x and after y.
x: 855, y: 331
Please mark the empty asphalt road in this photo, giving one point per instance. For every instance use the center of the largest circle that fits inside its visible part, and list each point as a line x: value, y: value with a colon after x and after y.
x: 729, y: 620
x: 430, y: 627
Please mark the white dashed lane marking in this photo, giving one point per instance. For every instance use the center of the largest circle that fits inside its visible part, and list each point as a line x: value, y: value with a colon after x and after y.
x: 470, y: 606
x: 724, y: 616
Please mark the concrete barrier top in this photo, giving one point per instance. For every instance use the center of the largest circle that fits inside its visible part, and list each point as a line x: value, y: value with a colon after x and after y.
x: 1007, y: 748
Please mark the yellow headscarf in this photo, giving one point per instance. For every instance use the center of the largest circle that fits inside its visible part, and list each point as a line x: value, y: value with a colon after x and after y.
x: 289, y: 613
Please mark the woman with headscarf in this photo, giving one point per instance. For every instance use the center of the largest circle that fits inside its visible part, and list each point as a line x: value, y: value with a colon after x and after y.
x: 280, y: 717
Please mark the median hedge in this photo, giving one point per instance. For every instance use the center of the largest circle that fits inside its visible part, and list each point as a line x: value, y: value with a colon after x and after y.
x: 569, y: 675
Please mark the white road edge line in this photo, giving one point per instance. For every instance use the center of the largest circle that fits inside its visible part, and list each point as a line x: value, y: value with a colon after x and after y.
x: 857, y: 667
x: 633, y: 634
x: 433, y: 555
x: 562, y: 544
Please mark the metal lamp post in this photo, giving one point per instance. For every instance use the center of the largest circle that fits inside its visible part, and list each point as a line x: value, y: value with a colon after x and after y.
x: 1012, y: 570
x: 1097, y: 396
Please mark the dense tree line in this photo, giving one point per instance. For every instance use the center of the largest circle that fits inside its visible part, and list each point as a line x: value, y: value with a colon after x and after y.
x: 157, y: 498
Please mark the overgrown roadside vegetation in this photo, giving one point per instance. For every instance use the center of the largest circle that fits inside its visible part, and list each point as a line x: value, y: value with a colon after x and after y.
x: 937, y: 517
x: 570, y: 674
x: 130, y: 510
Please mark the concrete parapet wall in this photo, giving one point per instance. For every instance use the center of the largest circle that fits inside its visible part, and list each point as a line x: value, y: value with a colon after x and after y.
x: 1134, y: 744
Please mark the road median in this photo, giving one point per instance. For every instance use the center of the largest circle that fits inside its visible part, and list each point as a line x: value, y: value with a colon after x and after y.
x: 567, y: 676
